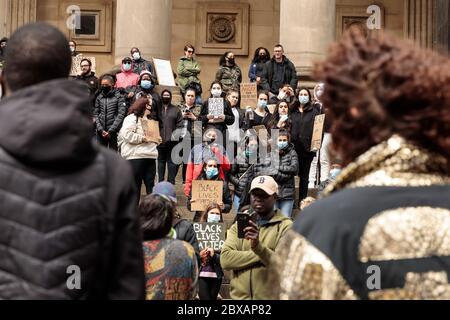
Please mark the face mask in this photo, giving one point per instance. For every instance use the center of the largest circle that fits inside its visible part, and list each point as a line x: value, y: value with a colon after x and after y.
x: 216, y: 93
x: 283, y: 145
x: 282, y: 95
x: 166, y: 100
x: 231, y: 61
x: 210, y: 141
x: 212, y: 173
x: 126, y: 67
x: 136, y: 56
x: 334, y: 173
x: 284, y: 118
x: 106, y: 89
x: 303, y: 99
x: 262, y: 57
x: 262, y: 104
x: 72, y: 49
x: 146, y: 84
x: 213, y: 218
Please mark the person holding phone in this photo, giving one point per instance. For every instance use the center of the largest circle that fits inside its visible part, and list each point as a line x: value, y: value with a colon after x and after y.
x: 249, y: 257
x: 211, y: 273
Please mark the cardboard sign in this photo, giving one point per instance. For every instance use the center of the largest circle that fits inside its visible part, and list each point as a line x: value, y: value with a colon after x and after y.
x: 249, y: 95
x: 210, y: 235
x: 206, y: 192
x: 261, y: 130
x: 316, y: 142
x: 216, y: 107
x: 76, y: 68
x: 151, y: 129
x: 164, y: 72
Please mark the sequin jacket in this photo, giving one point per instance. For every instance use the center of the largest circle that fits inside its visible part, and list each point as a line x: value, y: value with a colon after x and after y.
x: 382, y: 231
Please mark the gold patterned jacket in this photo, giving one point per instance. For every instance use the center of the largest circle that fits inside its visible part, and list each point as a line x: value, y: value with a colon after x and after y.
x: 382, y: 231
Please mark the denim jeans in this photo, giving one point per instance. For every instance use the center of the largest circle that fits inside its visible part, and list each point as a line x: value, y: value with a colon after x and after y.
x: 286, y: 207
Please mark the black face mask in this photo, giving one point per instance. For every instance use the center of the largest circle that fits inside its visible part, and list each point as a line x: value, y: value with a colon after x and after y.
x: 166, y: 100
x: 210, y: 141
x: 231, y: 61
x: 262, y: 57
x: 106, y: 89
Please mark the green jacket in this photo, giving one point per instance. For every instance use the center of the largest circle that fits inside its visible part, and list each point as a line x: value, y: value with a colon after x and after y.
x: 249, y: 267
x: 188, y: 71
x: 230, y: 78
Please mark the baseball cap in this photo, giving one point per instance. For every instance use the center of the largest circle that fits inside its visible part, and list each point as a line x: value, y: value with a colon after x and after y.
x: 266, y: 184
x: 167, y: 189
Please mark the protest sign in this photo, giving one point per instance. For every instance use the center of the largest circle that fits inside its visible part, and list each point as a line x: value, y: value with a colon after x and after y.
x: 206, y: 192
x: 210, y: 235
x: 216, y: 107
x: 164, y: 72
x: 151, y: 129
x: 249, y: 95
x: 316, y: 142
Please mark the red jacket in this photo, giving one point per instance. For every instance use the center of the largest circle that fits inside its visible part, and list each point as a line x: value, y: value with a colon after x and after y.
x: 195, y: 164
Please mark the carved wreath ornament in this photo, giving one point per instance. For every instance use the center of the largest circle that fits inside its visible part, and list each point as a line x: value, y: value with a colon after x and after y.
x: 222, y: 28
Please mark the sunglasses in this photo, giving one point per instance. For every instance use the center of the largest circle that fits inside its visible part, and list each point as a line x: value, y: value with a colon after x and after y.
x: 190, y: 51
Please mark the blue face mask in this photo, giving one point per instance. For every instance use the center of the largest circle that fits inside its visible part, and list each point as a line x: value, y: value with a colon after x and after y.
x: 213, y: 218
x: 283, y: 145
x: 262, y: 104
x: 146, y: 84
x: 211, y: 173
x: 303, y: 99
x: 126, y: 67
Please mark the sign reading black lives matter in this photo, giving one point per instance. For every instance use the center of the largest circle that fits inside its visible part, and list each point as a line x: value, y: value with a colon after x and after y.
x: 206, y: 192
x: 210, y: 235
x: 216, y: 106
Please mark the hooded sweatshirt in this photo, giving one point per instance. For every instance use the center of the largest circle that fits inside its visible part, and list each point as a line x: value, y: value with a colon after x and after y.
x: 64, y: 201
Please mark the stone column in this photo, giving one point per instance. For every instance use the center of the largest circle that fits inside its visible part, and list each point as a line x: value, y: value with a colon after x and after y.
x: 441, y: 26
x: 307, y: 28
x: 419, y: 22
x: 16, y: 13
x: 146, y: 24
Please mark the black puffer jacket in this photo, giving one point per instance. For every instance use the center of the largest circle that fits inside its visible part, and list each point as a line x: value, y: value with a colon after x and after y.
x: 64, y: 202
x: 241, y: 174
x: 109, y: 111
x: 283, y: 169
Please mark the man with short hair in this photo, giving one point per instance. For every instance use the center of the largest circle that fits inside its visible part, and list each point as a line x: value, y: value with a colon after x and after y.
x: 69, y: 221
x: 277, y: 72
x: 139, y: 63
x: 249, y: 258
x: 88, y: 77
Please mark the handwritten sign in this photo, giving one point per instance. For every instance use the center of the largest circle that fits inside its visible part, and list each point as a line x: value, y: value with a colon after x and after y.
x: 316, y: 142
x: 216, y: 107
x: 151, y: 129
x: 210, y: 235
x: 206, y: 192
x: 164, y: 72
x: 249, y: 95
x: 76, y: 65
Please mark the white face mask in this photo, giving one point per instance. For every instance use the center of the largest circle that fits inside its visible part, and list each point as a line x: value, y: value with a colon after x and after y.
x: 216, y: 93
x: 213, y: 218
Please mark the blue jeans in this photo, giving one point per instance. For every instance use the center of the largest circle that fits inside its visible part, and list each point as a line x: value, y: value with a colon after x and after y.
x: 236, y: 202
x: 286, y: 207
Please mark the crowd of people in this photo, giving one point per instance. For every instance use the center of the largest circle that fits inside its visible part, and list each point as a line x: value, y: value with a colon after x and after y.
x: 69, y: 201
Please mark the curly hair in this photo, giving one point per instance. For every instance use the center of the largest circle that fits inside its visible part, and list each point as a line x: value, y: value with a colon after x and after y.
x: 381, y: 86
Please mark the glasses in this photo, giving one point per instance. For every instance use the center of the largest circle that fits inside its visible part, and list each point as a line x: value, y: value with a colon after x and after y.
x: 190, y: 51
x: 85, y: 66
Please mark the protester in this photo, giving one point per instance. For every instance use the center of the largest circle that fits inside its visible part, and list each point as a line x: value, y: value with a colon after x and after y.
x: 210, y: 148
x: 89, y: 78
x: 135, y: 145
x: 389, y: 208
x: 277, y: 72
x: 222, y: 121
x: 188, y: 72
x: 286, y: 93
x: 280, y: 118
x: 73, y: 48
x: 286, y: 168
x: 109, y: 112
x: 320, y: 167
x: 191, y: 113
x: 229, y: 73
x: 235, y: 131
x: 184, y: 230
x: 65, y: 201
x: 242, y: 171
x: 249, y: 258
x: 140, y: 64
x: 303, y: 116
x: 146, y: 87
x: 127, y: 78
x: 171, y: 265
x: 261, y: 115
x: 170, y: 119
x: 211, y: 172
x: 256, y: 69
x: 211, y: 273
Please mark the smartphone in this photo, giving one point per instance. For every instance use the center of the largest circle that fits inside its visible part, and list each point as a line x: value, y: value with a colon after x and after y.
x: 243, y: 221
